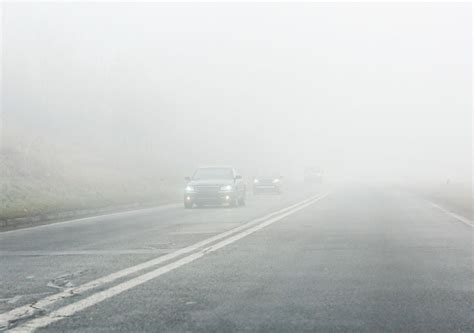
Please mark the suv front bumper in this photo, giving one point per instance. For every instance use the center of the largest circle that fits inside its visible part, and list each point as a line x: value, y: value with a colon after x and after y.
x: 271, y: 188
x: 218, y: 198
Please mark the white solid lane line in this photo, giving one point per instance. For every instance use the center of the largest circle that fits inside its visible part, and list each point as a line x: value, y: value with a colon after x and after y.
x: 456, y: 216
x: 42, y: 304
x: 71, y: 309
x: 92, y: 218
x: 35, y: 253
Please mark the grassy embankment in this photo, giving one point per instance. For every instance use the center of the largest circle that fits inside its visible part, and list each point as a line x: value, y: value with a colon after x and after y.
x: 32, y: 186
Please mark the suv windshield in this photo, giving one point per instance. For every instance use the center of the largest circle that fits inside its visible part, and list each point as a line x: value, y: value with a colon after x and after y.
x: 213, y: 173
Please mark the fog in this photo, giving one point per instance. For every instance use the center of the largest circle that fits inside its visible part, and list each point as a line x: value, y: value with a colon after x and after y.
x: 367, y: 92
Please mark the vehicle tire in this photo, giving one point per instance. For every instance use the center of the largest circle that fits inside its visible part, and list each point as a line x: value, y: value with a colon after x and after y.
x: 188, y: 205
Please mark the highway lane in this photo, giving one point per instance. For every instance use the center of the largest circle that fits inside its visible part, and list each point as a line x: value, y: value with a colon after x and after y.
x: 358, y: 259
x: 39, y: 261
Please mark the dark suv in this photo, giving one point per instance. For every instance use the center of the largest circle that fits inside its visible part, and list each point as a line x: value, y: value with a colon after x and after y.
x: 313, y: 175
x: 267, y: 184
x: 214, y: 186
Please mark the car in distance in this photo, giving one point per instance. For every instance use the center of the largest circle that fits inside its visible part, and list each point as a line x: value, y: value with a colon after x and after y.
x: 267, y: 184
x: 313, y: 175
x: 214, y: 186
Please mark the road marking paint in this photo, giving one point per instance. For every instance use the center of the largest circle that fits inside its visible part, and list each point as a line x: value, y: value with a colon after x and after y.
x: 81, y: 253
x: 456, y: 216
x: 71, y: 309
x: 89, y: 218
x: 28, y: 310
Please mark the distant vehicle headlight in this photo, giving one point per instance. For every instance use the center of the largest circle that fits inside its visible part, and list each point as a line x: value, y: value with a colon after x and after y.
x: 255, y: 181
x: 226, y: 188
x: 189, y: 189
x: 276, y: 180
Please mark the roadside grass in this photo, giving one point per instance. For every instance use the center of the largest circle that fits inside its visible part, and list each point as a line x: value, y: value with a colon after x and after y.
x: 30, y: 187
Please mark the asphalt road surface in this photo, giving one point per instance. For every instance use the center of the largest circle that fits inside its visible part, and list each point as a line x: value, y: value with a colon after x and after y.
x: 321, y: 260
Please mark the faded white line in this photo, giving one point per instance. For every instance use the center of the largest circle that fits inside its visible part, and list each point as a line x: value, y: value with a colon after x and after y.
x: 42, y: 304
x: 92, y: 218
x: 82, y: 253
x: 458, y: 217
x: 71, y: 309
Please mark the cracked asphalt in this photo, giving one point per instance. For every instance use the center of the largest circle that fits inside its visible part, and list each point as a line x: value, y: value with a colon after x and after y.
x: 360, y: 259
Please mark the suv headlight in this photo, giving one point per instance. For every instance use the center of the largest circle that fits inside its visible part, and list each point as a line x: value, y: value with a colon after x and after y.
x: 189, y: 189
x: 226, y: 188
x: 256, y: 181
x: 276, y: 180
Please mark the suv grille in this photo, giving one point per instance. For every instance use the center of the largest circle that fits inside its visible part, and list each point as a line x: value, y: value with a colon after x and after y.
x: 268, y: 181
x: 207, y: 188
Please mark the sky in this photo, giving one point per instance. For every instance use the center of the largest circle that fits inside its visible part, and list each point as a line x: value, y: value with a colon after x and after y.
x: 363, y: 90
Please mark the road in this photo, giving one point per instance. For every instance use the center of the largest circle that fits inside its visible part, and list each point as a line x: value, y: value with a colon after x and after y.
x: 355, y: 259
